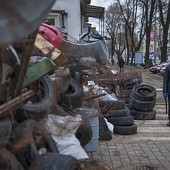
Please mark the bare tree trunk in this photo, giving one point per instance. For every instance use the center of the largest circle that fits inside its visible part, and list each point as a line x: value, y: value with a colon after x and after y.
x: 165, y: 21
x: 147, y: 47
x: 149, y: 14
x: 127, y: 46
x: 164, y: 45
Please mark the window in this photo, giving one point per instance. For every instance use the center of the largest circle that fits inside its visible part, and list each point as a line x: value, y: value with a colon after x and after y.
x: 50, y: 21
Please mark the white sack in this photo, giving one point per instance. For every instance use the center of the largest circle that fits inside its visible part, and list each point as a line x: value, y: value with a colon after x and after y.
x: 109, y: 125
x: 62, y: 130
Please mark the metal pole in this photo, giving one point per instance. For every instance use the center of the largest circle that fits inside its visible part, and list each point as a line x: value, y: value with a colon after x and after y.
x: 166, y: 105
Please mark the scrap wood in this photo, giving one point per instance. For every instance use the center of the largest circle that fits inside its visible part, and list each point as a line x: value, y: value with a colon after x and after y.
x: 105, y: 70
x: 113, y: 78
x: 50, y: 51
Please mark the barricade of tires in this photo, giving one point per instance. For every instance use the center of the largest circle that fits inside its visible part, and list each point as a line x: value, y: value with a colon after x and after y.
x: 72, y: 98
x: 28, y: 138
x: 125, y: 89
x: 142, y: 102
x: 119, y: 115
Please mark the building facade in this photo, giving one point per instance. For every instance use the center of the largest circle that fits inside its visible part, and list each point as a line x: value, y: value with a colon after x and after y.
x: 66, y: 14
x: 73, y: 16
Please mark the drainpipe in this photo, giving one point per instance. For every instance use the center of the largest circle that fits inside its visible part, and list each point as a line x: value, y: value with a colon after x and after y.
x: 63, y: 13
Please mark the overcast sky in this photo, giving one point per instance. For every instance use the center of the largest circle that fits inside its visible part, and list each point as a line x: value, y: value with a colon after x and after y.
x: 103, y: 3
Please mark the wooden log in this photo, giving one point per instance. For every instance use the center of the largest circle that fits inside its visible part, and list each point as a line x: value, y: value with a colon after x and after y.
x: 113, y: 78
x: 11, y: 104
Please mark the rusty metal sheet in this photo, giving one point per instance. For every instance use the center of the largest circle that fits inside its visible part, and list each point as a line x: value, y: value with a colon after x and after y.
x: 97, y: 50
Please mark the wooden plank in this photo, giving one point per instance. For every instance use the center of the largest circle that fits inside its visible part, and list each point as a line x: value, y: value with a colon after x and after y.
x: 50, y: 51
x: 112, y: 78
x: 11, y: 104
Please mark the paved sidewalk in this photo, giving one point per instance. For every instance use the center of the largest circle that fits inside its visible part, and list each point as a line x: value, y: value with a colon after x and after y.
x: 149, y: 149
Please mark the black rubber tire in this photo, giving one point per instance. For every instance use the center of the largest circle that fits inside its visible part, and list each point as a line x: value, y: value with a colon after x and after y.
x: 121, y: 121
x: 141, y: 115
x: 27, y: 155
x: 125, y: 130
x: 144, y: 92
x: 61, y: 78
x: 72, y: 98
x: 114, y: 105
x: 126, y: 100
x: 8, y: 161
x: 131, y: 81
x: 142, y: 105
x: 22, y: 145
x: 84, y: 134
x: 77, y: 76
x: 128, y: 84
x: 56, y: 161
x: 104, y: 132
x: 124, y: 93
x: 5, y: 131
x: 118, y: 113
x: 51, y: 144
x: 39, y: 109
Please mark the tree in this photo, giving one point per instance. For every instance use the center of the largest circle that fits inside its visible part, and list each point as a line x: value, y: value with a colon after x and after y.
x: 164, y: 15
x: 149, y: 13
x: 134, y: 26
x: 114, y: 26
x: 137, y: 18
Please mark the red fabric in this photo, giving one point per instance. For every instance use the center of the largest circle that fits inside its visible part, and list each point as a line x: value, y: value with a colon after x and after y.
x: 51, y: 34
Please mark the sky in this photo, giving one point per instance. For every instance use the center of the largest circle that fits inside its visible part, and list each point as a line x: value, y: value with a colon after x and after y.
x: 102, y: 3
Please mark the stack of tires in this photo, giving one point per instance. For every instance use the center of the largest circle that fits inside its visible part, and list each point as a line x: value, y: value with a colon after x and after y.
x: 71, y: 99
x: 142, y: 102
x: 29, y: 138
x: 125, y: 89
x: 119, y: 115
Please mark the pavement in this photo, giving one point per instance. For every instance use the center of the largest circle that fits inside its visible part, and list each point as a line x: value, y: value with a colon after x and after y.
x: 148, y: 149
